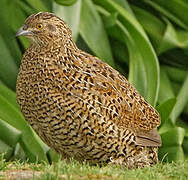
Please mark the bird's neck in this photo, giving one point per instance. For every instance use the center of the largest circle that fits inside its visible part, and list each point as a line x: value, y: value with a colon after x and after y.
x: 64, y: 46
x: 58, y: 53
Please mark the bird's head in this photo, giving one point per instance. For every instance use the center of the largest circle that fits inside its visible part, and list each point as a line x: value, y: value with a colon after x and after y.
x: 44, y: 28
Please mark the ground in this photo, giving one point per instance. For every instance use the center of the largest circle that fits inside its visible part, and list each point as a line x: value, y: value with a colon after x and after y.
x: 74, y: 170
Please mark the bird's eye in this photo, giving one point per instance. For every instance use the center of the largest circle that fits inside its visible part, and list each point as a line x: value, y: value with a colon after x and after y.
x: 39, y: 26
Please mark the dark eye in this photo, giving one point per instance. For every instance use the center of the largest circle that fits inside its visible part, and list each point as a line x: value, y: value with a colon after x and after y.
x: 39, y: 26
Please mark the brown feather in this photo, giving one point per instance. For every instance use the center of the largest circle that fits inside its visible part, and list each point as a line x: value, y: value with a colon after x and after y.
x: 148, y: 138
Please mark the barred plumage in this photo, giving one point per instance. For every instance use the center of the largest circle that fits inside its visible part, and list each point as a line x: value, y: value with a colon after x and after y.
x: 79, y: 105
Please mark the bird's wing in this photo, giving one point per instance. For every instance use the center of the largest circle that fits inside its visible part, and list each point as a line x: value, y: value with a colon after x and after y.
x: 121, y: 102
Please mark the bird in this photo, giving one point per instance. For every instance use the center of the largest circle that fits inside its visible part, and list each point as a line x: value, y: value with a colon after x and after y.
x: 80, y: 106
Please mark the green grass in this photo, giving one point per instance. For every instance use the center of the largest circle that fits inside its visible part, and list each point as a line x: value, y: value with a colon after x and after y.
x: 76, y: 170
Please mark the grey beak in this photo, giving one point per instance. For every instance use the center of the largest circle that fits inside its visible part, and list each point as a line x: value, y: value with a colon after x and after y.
x: 22, y: 32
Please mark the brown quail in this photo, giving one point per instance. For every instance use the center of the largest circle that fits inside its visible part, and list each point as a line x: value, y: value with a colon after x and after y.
x: 80, y: 106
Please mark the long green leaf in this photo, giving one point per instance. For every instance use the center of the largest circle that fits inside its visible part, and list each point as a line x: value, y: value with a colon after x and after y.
x: 8, y: 68
x: 171, y: 149
x: 185, y: 146
x: 176, y: 58
x: 165, y: 109
x: 93, y: 32
x: 165, y: 90
x: 13, y: 22
x: 186, y: 109
x: 137, y: 70
x: 170, y: 39
x: 66, y: 2
x: 12, y: 116
x: 19, y: 153
x: 9, y: 95
x: 9, y: 134
x: 170, y: 154
x: 125, y: 5
x: 9, y: 40
x: 72, y: 19
x: 173, y: 137
x: 172, y: 10
x: 176, y: 74
x: 53, y: 156
x: 163, y: 34
x: 5, y: 149
x: 152, y: 25
x: 142, y: 43
x: 37, y: 5
x: 182, y: 100
x: 165, y: 38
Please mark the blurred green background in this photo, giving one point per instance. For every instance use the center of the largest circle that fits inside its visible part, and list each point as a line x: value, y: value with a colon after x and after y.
x: 147, y: 41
